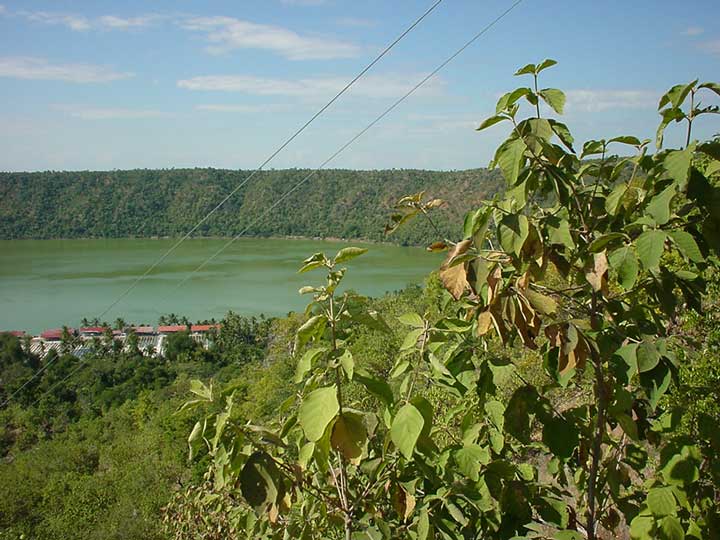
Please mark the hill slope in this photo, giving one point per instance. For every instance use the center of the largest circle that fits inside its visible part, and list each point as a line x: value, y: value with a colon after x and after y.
x: 168, y: 202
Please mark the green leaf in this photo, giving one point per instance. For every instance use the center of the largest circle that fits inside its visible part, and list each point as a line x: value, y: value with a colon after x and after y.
x: 659, y: 206
x: 509, y: 157
x: 411, y: 339
x: 671, y: 529
x: 496, y: 411
x: 656, y: 383
x: 544, y: 304
x: 677, y: 165
x: 469, y: 458
x: 625, y: 263
x: 375, y: 386
x: 314, y: 261
x: 412, y: 319
x: 661, y: 501
x: 406, y: 428
x: 676, y: 95
x: 715, y: 87
x: 563, y: 133
x: 629, y: 355
x: 491, y: 122
x: 317, y: 410
x: 560, y: 436
x: 510, y: 98
x: 650, y: 247
x: 685, y: 242
x: 548, y: 62
x: 668, y: 115
x: 348, y: 253
x: 559, y: 232
x: 513, y: 230
x: 423, y: 525
x: 597, y: 245
x: 201, y: 390
x: 305, y: 363
x: 641, y: 528
x: 526, y: 70
x: 260, y: 481
x: 626, y: 139
x: 648, y: 356
x: 553, y: 97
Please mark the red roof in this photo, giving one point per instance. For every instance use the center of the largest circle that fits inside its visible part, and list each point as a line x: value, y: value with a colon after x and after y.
x: 92, y: 330
x: 203, y: 327
x: 55, y: 333
x: 172, y: 328
x: 16, y: 333
x: 144, y: 329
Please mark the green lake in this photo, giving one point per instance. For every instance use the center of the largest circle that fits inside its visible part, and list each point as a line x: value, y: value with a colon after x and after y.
x: 50, y: 283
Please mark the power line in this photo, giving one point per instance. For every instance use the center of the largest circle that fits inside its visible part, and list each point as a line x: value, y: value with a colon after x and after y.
x: 270, y: 158
x: 246, y: 180
x: 333, y: 156
x: 352, y: 140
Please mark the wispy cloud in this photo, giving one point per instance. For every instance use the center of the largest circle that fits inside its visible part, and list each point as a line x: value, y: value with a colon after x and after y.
x: 77, y: 23
x: 33, y: 68
x: 2, y: 9
x: 81, y: 23
x: 712, y: 46
x: 102, y: 113
x: 244, y: 109
x: 227, y: 33
x: 603, y: 100
x: 373, y: 86
x: 693, y: 31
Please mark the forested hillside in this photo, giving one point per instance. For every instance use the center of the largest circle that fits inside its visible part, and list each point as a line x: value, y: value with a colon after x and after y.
x: 168, y: 202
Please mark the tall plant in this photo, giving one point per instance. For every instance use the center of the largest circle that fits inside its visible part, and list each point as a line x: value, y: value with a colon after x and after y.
x: 587, y: 261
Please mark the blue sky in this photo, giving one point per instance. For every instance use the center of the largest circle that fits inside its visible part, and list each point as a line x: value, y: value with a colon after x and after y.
x: 103, y: 85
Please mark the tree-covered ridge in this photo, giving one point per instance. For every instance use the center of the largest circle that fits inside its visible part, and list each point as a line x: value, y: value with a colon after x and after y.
x: 169, y: 202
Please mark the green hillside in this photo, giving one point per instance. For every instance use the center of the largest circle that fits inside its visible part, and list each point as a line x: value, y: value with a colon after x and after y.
x: 168, y: 202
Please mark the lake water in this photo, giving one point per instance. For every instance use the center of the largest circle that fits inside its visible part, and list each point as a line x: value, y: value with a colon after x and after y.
x: 50, y: 283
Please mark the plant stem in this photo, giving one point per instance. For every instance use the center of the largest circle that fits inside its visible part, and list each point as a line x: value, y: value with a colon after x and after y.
x: 342, y: 479
x: 537, y: 97
x: 690, y: 117
x: 597, y: 439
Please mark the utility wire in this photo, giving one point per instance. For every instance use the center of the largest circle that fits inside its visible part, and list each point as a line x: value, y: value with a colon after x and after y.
x: 353, y: 139
x: 247, y: 179
x: 269, y: 158
x: 338, y: 152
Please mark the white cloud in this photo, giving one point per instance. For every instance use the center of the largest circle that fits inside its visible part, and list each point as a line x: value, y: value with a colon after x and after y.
x: 245, y: 109
x: 32, y: 68
x: 77, y: 23
x: 712, y: 47
x: 602, y: 100
x: 102, y: 113
x: 2, y: 9
x: 124, y: 23
x: 693, y: 31
x: 81, y: 23
x: 227, y: 33
x: 372, y: 86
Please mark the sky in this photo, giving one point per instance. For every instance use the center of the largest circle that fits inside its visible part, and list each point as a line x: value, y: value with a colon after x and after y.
x: 107, y: 85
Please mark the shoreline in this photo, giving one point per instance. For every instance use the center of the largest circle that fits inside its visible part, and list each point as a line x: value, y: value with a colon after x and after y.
x: 329, y: 239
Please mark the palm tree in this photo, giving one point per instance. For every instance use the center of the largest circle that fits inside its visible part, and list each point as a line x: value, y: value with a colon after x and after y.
x: 120, y: 324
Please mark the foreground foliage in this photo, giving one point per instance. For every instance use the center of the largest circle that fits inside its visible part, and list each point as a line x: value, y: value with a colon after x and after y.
x: 592, y: 272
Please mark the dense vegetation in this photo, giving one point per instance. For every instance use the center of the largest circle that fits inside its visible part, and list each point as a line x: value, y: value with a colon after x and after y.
x: 147, y: 203
x: 556, y: 379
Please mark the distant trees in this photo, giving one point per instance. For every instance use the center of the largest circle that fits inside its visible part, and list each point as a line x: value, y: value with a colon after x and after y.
x: 354, y: 204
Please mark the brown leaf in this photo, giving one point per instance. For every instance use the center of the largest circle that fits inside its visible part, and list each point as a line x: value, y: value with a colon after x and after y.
x: 485, y: 322
x: 437, y: 246
x: 454, y: 278
x: 597, y: 275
